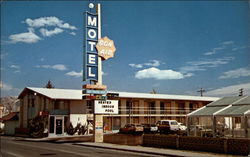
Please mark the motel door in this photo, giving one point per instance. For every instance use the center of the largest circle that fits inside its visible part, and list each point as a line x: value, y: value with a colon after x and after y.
x: 59, y: 126
x: 56, y: 125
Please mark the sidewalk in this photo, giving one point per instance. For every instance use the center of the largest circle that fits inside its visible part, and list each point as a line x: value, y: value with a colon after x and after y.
x: 78, y: 138
x: 153, y: 151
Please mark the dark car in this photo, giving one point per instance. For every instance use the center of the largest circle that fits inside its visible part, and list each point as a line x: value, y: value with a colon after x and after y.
x: 132, y: 129
x: 150, y: 128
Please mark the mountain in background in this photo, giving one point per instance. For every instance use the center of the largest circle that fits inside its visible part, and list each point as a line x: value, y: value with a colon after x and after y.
x: 10, y: 103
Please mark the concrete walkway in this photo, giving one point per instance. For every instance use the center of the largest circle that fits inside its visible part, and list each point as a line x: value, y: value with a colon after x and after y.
x: 153, y: 151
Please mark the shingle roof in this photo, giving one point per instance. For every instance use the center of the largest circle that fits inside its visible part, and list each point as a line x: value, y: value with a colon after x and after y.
x: 72, y: 94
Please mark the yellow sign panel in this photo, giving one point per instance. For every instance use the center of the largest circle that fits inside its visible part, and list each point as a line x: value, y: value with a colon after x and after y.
x: 96, y: 86
x: 106, y: 48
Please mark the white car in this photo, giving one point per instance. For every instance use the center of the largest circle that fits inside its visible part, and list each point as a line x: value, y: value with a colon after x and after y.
x: 167, y: 125
x: 182, y: 126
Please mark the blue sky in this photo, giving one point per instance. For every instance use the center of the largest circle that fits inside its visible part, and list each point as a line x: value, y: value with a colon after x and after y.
x: 174, y: 47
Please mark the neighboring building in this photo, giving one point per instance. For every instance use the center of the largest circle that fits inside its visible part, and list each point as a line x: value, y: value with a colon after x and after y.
x: 1, y: 115
x: 64, y: 106
x: 226, y: 117
x: 11, y: 121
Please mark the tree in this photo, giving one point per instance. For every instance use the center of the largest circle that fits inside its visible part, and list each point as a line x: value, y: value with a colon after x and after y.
x: 49, y: 85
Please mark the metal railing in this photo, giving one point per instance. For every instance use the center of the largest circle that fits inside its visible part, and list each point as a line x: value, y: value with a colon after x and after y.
x: 155, y: 110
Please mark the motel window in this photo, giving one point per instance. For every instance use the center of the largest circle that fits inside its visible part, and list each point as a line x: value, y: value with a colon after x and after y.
x: 152, y: 108
x: 119, y: 106
x: 51, y: 124
x: 162, y: 107
x: 181, y: 108
x: 135, y: 107
x: 128, y: 107
x: 61, y: 104
x: 191, y: 106
x: 56, y: 105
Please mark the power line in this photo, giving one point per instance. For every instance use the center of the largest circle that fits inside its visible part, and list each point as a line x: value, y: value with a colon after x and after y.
x: 241, y: 92
x: 201, y: 91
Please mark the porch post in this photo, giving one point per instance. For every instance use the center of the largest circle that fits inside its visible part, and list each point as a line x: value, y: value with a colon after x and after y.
x: 214, y: 126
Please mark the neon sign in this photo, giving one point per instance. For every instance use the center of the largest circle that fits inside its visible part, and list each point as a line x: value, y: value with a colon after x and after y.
x: 90, y: 59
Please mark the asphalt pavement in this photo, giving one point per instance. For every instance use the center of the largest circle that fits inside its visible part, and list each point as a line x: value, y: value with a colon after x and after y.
x: 26, y: 147
x: 11, y: 147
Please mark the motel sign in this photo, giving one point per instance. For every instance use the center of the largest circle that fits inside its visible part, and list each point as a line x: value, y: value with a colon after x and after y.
x: 91, y: 56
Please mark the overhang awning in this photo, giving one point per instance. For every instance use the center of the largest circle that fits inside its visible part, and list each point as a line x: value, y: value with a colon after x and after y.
x: 207, y: 111
x: 234, y: 111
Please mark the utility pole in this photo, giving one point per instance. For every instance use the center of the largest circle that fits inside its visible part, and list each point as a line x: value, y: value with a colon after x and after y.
x: 241, y: 92
x: 201, y: 91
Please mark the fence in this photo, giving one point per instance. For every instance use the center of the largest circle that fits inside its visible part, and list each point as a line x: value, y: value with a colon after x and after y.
x: 216, y: 145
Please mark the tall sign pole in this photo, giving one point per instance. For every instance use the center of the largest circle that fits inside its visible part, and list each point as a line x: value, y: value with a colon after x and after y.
x: 99, y: 37
x: 97, y: 49
x: 98, y: 118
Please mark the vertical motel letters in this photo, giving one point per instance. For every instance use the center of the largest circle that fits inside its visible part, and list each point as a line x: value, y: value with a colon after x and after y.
x: 91, y: 55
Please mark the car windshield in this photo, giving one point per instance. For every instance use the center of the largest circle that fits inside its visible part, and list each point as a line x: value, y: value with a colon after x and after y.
x: 174, y: 123
x: 165, y: 122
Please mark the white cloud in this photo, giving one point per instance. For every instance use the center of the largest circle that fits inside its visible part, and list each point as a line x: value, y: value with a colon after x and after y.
x: 152, y: 63
x: 204, y: 64
x: 49, y: 21
x: 158, y: 74
x: 232, y: 90
x: 211, y: 62
x: 5, y: 87
x: 15, y: 66
x: 241, y: 72
x: 28, y: 37
x: 48, y: 33
x: 192, y: 68
x: 75, y: 74
x: 223, y: 46
x: 136, y: 65
x: 72, y: 33
x: 214, y: 51
x: 60, y: 67
x: 227, y: 43
x: 41, y: 59
x: 79, y: 74
x: 239, y: 48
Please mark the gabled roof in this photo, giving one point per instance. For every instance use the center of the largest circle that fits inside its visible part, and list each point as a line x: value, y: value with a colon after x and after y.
x: 54, y: 93
x: 72, y: 94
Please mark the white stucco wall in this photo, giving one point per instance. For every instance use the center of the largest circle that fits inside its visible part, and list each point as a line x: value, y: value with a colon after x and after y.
x: 78, y: 118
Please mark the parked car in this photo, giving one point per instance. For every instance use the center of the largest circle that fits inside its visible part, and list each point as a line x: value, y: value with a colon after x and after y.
x: 150, y: 128
x: 167, y: 126
x: 132, y: 129
x: 182, y: 126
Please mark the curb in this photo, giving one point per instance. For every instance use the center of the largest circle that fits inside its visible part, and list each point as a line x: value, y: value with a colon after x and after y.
x: 136, y: 151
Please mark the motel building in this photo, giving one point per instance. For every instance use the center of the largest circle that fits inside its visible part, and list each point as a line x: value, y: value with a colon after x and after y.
x: 65, y: 106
